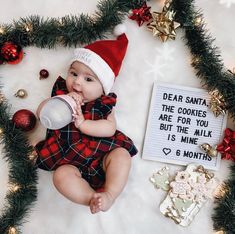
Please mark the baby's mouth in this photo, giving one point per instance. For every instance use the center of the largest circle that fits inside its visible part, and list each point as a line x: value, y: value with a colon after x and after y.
x: 78, y: 92
x: 81, y: 94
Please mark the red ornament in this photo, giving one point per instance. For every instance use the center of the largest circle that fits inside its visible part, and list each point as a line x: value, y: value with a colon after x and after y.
x: 43, y: 74
x: 141, y: 14
x: 227, y: 147
x: 24, y: 119
x: 11, y: 53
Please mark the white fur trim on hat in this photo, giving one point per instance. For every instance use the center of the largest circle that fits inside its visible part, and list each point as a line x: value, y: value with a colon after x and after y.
x: 119, y: 29
x: 97, y: 65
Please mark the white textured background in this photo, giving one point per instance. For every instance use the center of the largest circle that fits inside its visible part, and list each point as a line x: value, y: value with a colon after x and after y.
x: 136, y: 211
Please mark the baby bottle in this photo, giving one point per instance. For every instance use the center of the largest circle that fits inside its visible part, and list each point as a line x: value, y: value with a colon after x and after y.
x: 57, y: 112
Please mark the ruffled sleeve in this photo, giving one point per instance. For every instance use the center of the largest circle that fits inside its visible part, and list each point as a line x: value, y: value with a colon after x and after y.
x: 100, y: 108
x: 59, y: 87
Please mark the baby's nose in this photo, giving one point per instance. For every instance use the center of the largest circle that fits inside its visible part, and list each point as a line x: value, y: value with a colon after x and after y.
x: 78, y: 79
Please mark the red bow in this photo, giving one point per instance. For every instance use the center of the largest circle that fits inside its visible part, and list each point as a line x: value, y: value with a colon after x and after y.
x: 141, y: 15
x: 227, y: 147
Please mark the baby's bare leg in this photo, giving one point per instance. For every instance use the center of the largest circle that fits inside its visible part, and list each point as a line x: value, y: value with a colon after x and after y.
x: 68, y: 181
x: 117, y: 166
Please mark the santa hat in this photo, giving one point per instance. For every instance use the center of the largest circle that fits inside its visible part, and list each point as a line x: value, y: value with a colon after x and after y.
x: 104, y: 57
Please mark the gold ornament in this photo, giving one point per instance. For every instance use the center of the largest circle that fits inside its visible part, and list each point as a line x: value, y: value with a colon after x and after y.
x: 209, y: 149
x: 12, y: 230
x: 217, y: 103
x: 163, y: 25
x: 21, y: 93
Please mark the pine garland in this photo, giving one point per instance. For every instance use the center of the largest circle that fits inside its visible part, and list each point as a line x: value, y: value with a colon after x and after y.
x: 76, y: 30
x: 44, y: 33
x: 213, y: 74
x: 22, y: 174
x: 69, y: 30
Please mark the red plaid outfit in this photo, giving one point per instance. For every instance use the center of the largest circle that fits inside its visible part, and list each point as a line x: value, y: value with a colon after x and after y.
x: 69, y: 145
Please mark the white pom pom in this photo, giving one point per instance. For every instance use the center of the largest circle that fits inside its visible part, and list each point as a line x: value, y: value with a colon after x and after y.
x: 119, y: 30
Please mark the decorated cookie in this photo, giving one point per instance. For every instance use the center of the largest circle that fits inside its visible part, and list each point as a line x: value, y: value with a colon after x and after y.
x: 160, y: 179
x: 188, y: 193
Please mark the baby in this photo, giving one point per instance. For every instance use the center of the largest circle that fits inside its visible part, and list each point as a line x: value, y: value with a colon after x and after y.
x: 90, y: 157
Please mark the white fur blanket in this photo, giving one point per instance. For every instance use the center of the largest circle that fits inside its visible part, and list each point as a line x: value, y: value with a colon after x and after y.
x: 136, y: 211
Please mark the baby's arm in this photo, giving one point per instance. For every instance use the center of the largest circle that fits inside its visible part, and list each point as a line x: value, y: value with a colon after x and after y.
x: 96, y: 128
x: 99, y: 128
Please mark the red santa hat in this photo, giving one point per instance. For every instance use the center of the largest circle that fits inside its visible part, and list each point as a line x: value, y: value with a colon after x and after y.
x: 104, y: 57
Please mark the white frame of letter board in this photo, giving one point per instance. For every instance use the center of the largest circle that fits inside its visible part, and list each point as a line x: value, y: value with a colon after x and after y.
x: 172, y: 161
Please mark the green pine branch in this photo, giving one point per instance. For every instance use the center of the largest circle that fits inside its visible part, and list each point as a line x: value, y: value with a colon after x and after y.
x: 69, y: 30
x: 21, y: 173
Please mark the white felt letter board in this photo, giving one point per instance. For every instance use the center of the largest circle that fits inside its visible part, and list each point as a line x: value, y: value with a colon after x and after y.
x: 179, y: 122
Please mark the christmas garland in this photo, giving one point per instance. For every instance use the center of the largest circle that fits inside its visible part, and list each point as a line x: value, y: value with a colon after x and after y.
x: 68, y: 30
x: 35, y: 31
x: 72, y: 31
x: 210, y: 69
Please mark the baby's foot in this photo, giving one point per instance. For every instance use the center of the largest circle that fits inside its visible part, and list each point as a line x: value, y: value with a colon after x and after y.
x: 101, y: 202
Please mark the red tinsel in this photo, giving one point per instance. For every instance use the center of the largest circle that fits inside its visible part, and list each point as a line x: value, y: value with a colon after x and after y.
x: 227, y: 147
x: 141, y: 15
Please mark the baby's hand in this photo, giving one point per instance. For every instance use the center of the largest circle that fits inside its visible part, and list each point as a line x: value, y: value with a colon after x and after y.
x: 78, y: 116
x: 77, y: 98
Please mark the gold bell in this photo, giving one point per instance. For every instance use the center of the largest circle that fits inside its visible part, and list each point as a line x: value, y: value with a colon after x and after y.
x: 209, y: 149
x: 21, y: 93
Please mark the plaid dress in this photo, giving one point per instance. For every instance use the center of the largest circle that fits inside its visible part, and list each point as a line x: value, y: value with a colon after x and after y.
x: 69, y: 145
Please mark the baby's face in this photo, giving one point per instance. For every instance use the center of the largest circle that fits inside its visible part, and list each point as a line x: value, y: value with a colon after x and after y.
x: 82, y: 80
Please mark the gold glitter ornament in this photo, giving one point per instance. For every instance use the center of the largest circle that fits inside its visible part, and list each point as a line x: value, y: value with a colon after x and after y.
x: 217, y: 103
x: 209, y: 149
x: 163, y: 25
x: 21, y: 93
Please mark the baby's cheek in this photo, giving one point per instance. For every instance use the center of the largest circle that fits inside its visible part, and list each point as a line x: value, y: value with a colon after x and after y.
x: 69, y: 86
x: 69, y: 83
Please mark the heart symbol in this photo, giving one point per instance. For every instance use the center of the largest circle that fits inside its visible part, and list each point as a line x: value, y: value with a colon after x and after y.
x: 166, y: 151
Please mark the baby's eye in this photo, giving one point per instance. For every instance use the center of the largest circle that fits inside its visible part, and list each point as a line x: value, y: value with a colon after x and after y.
x: 89, y: 79
x: 73, y: 73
